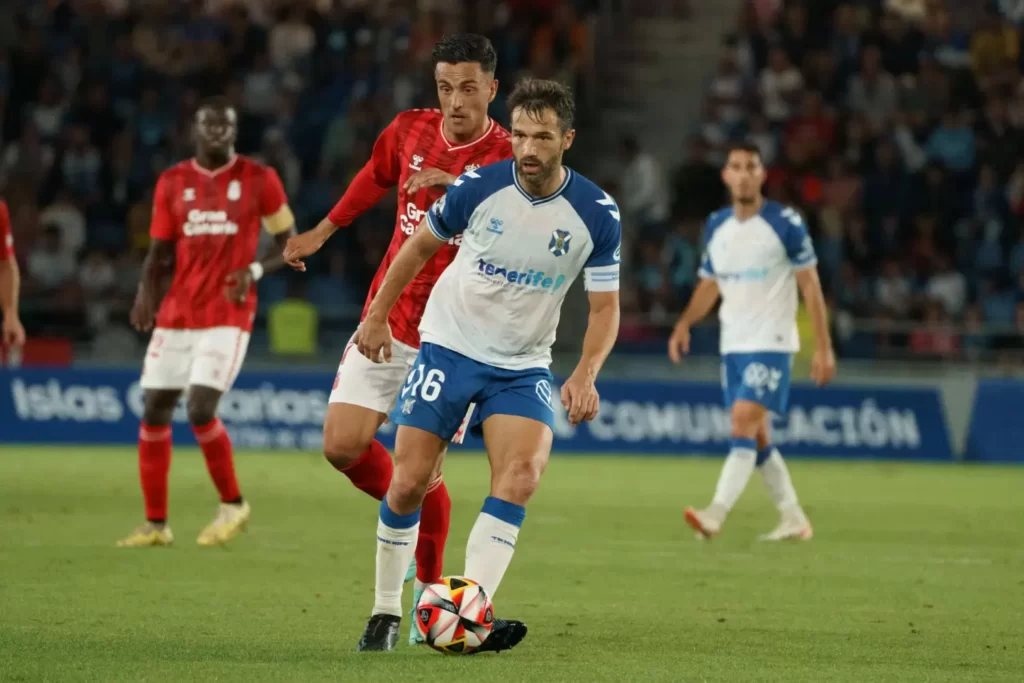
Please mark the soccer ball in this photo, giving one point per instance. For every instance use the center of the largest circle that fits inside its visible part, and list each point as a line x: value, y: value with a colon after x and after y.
x: 455, y: 615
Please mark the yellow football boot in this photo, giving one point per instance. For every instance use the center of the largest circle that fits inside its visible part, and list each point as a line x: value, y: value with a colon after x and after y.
x: 229, y: 522
x: 148, y: 534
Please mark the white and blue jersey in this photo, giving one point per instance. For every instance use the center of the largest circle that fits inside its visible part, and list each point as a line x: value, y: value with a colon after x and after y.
x: 754, y: 262
x: 492, y: 315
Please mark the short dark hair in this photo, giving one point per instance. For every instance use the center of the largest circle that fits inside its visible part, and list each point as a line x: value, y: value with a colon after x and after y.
x: 534, y: 95
x: 457, y: 48
x: 743, y: 146
x: 215, y: 102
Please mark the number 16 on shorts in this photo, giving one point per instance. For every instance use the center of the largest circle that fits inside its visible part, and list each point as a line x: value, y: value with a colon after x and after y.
x: 422, y: 383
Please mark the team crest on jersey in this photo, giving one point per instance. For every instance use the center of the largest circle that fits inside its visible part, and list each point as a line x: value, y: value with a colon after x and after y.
x: 496, y: 226
x: 189, y: 195
x: 471, y: 167
x: 417, y: 162
x: 559, y: 242
x: 408, y: 405
x: 234, y: 190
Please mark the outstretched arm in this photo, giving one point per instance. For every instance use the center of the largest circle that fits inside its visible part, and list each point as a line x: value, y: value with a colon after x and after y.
x: 374, y: 335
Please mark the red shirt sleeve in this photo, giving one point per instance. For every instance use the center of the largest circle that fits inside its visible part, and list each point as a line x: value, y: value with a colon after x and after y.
x: 161, y: 225
x: 6, y: 240
x: 374, y: 179
x: 273, y: 197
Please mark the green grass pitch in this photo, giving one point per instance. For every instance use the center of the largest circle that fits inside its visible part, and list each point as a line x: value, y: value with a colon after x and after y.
x: 914, y: 575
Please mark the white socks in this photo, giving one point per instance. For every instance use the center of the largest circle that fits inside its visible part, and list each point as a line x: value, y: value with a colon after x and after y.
x: 396, y: 544
x: 492, y: 543
x: 777, y: 481
x: 739, y: 465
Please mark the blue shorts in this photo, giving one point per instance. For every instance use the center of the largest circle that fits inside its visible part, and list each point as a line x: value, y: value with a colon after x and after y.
x: 442, y: 384
x: 761, y: 377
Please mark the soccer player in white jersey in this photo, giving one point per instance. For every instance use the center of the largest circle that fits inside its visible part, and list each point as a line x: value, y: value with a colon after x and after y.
x: 529, y: 227
x: 756, y: 254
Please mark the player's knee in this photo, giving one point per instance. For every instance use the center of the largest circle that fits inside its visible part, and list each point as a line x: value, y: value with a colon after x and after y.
x: 158, y: 408
x: 200, y: 412
x: 343, y: 445
x: 518, y: 481
x: 747, y: 419
x: 408, y: 489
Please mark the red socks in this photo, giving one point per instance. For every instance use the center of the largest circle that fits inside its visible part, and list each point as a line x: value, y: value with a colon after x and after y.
x: 216, y: 444
x: 154, y: 464
x: 371, y: 472
x: 434, y: 520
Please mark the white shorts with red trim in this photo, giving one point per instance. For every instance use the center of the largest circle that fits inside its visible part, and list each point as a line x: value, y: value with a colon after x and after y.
x: 211, y: 357
x: 376, y: 386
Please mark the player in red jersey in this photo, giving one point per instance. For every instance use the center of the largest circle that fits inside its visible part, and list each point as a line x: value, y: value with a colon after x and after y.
x: 421, y: 152
x: 207, y: 213
x: 10, y: 283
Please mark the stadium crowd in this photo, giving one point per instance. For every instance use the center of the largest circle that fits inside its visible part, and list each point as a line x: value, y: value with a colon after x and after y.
x: 896, y: 127
x: 97, y: 96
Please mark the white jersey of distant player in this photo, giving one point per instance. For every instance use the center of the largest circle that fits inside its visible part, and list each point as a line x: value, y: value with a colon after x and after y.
x: 754, y: 262
x: 499, y: 301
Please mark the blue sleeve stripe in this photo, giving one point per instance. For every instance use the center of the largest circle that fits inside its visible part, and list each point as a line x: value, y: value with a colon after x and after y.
x: 438, y: 230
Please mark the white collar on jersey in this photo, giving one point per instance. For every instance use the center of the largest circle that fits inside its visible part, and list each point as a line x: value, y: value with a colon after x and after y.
x: 537, y: 201
x: 217, y: 171
x: 487, y: 132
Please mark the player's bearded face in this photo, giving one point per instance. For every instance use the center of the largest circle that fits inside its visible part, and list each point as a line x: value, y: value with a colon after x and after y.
x: 538, y: 143
x: 743, y: 175
x: 464, y: 91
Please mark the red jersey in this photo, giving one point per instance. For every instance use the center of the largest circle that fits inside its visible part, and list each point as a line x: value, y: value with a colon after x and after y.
x: 412, y: 142
x: 214, y: 219
x: 6, y: 240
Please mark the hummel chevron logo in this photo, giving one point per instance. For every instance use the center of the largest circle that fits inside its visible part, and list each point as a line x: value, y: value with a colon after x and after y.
x: 608, y: 201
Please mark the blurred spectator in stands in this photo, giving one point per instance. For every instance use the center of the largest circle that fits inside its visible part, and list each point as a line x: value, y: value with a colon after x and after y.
x: 821, y: 75
x: 261, y: 86
x: 97, y: 280
x: 853, y: 293
x: 750, y: 44
x: 645, y: 199
x: 1012, y: 10
x: 872, y: 91
x: 762, y: 135
x: 998, y: 142
x: 292, y: 40
x: 650, y: 278
x: 900, y: 44
x: 65, y: 215
x: 1016, y: 261
x: 912, y: 10
x: 1011, y: 344
x: 125, y: 76
x: 947, y: 44
x: 923, y: 246
x: 729, y: 88
x: 952, y: 143
x: 812, y: 126
x: 48, y: 112
x: 794, y: 34
x: 151, y: 122
x: 893, y: 290
x: 28, y: 159
x: 681, y: 258
x: 857, y: 249
x: 995, y: 45
x: 97, y: 114
x: 697, y: 183
x: 781, y: 85
x: 997, y: 300
x: 51, y: 266
x: 947, y: 286
x: 937, y: 338
x: 846, y: 39
x: 80, y: 164
x: 276, y: 154
x: 885, y: 186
